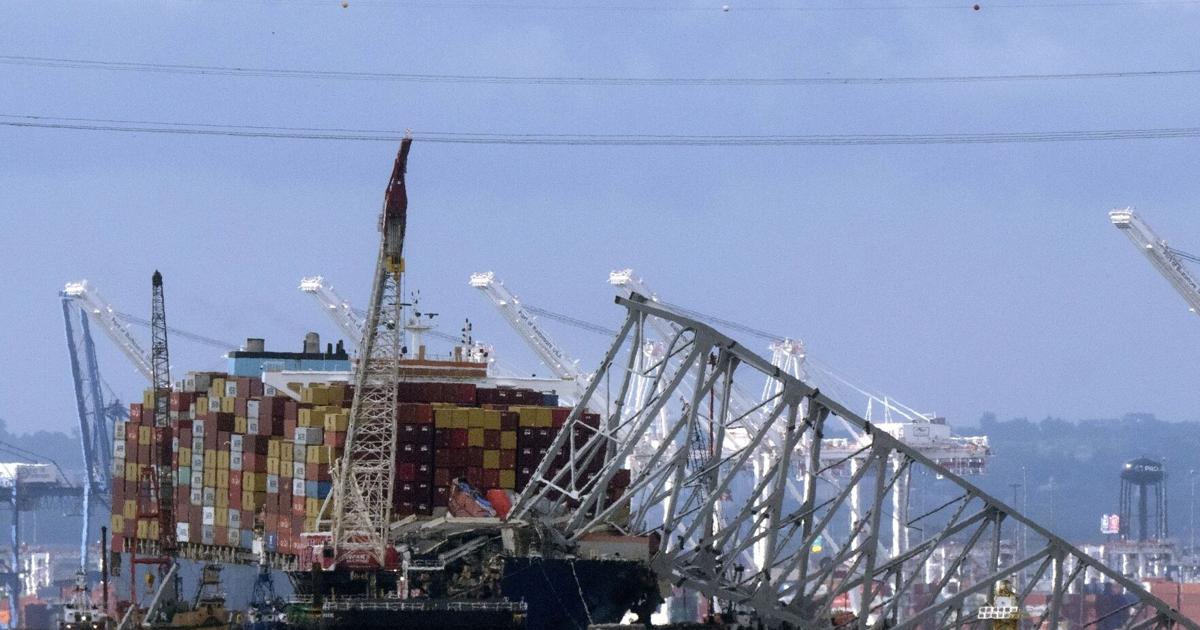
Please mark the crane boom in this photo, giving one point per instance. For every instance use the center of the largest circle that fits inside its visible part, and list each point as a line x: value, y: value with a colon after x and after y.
x: 525, y: 323
x: 367, y: 472
x: 1165, y: 259
x: 337, y: 308
x: 109, y: 320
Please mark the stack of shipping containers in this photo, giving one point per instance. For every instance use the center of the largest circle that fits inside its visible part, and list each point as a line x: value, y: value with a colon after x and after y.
x: 248, y: 456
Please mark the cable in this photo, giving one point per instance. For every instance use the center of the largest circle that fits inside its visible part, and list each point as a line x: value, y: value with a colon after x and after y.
x: 571, y: 321
x: 364, y: 135
x: 163, y: 68
x: 216, y: 343
x: 726, y: 7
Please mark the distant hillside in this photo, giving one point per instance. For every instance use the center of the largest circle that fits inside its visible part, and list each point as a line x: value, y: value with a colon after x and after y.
x: 1072, y: 468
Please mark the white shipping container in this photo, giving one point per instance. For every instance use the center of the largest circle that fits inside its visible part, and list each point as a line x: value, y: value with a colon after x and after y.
x: 268, y: 390
x: 234, y: 536
x: 272, y: 484
x: 198, y: 460
x: 235, y: 518
x: 210, y: 497
x: 214, y: 404
x: 119, y: 449
x: 235, y: 461
x: 299, y: 452
x: 197, y: 497
x: 231, y: 388
x: 252, y: 409
x: 197, y: 429
x: 297, y: 487
x: 197, y: 480
x: 208, y: 515
x: 181, y: 532
x: 297, y: 470
x: 252, y: 425
x: 235, y: 443
x: 197, y: 444
x: 118, y: 469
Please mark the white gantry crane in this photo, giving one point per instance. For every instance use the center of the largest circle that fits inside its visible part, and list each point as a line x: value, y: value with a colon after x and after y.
x: 338, y: 309
x: 103, y: 314
x: 525, y: 323
x: 1166, y: 259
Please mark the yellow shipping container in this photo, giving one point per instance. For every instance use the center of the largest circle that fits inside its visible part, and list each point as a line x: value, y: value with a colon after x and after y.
x: 491, y: 419
x: 475, y: 418
x: 221, y: 518
x: 272, y: 465
x: 218, y: 387
x: 145, y: 436
x: 475, y: 437
x: 222, y: 460
x: 143, y: 529
x: 286, y: 454
x: 307, y: 418
x: 185, y: 455
x: 201, y: 406
x: 221, y: 498
x: 317, y: 455
x: 239, y: 425
x: 117, y: 522
x: 310, y: 524
x: 545, y: 417
x: 248, y: 500
x: 462, y: 418
x: 129, y: 509
x: 491, y: 459
x: 148, y: 399
x: 210, y: 458
x: 443, y: 418
x: 508, y: 440
x: 132, y: 473
x: 508, y: 479
x: 210, y: 477
x: 227, y: 404
x: 337, y: 421
x: 254, y: 482
x: 222, y: 479
x: 273, y: 448
x: 312, y: 507
x: 527, y: 417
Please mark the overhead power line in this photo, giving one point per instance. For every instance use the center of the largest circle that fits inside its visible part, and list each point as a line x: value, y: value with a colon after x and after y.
x: 341, y: 75
x: 216, y: 343
x: 372, y: 135
x: 721, y: 7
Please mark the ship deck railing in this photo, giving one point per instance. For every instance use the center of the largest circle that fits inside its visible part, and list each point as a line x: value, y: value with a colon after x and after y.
x: 354, y: 604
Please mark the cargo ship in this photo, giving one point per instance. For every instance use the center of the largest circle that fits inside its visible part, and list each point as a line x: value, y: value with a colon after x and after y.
x: 252, y: 459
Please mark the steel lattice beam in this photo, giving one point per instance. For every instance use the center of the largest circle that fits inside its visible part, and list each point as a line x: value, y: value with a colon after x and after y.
x: 939, y: 582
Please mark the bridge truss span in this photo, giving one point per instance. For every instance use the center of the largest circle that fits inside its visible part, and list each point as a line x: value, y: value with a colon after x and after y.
x: 830, y: 555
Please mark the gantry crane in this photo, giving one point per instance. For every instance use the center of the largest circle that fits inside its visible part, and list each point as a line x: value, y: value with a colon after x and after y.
x: 344, y: 315
x: 366, y: 471
x: 525, y: 324
x: 1166, y: 259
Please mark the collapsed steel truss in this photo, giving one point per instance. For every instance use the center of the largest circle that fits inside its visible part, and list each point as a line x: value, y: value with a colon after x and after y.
x: 826, y: 552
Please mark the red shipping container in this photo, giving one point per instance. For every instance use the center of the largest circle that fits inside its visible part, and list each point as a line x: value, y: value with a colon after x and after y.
x: 558, y: 416
x: 239, y: 403
x: 256, y: 388
x: 508, y: 460
x: 415, y: 413
x: 414, y: 453
x: 510, y: 421
x: 271, y: 407
x: 255, y: 444
x: 490, y: 478
x: 491, y: 439
x: 441, y: 438
x: 135, y: 413
x: 291, y: 409
x: 406, y: 472
x: 475, y: 476
x: 298, y: 506
x: 414, y: 433
x: 210, y: 436
x: 336, y: 439
x: 316, y: 472
x: 459, y: 438
x: 224, y: 422
x: 442, y: 476
x: 475, y: 456
x: 441, y: 496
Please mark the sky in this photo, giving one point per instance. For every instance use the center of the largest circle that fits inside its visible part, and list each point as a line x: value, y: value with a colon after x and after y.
x: 960, y: 279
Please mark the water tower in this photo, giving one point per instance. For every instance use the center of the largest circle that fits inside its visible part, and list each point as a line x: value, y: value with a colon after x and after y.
x: 1142, y: 483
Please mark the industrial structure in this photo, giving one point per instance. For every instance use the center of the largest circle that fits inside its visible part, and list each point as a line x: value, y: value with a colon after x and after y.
x: 419, y: 489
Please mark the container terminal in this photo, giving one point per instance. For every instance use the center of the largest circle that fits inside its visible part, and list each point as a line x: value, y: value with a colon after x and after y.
x: 395, y: 488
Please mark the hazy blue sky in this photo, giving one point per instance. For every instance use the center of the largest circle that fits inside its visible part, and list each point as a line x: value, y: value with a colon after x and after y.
x: 960, y: 279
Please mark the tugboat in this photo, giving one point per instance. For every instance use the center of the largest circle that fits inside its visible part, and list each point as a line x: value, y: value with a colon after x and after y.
x: 79, y: 613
